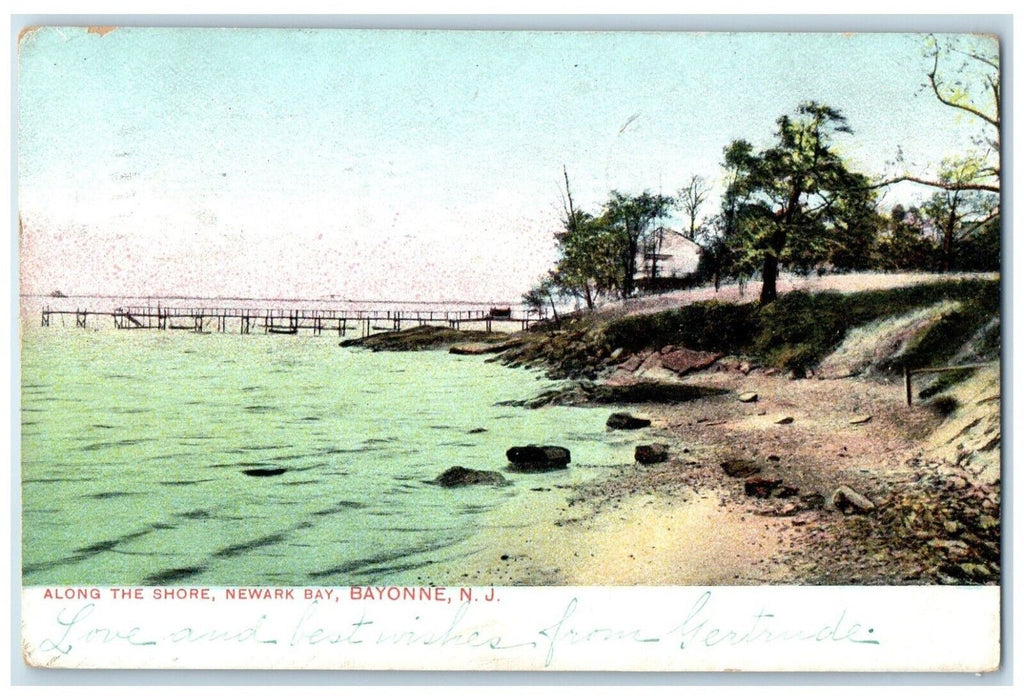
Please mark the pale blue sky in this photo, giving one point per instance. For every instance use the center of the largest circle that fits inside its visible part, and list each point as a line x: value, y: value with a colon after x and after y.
x: 403, y: 164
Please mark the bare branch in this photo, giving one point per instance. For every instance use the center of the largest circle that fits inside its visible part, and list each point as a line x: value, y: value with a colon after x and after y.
x: 934, y: 81
x: 939, y: 184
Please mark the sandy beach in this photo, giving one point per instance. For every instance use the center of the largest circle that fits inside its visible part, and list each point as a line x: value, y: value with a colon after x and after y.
x: 687, y: 521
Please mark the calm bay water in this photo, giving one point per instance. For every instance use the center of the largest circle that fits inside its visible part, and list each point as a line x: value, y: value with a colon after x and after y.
x: 135, y: 443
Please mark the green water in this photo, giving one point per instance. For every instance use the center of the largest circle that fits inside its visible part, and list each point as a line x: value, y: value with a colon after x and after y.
x: 135, y: 444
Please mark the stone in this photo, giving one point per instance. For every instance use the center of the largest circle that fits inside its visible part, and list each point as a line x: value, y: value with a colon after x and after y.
x: 265, y: 471
x: 625, y: 421
x: 461, y: 476
x: 538, y: 458
x: 616, y: 354
x: 849, y: 501
x: 740, y: 468
x: 812, y: 501
x: 745, y: 367
x: 651, y: 454
x: 683, y: 361
x: 786, y: 491
x: 760, y: 487
x: 473, y: 349
x: 748, y: 397
x: 860, y: 420
x: 785, y: 420
x: 632, y: 363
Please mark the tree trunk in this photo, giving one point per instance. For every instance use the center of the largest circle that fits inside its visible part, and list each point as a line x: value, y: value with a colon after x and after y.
x: 769, y: 275
x: 632, y: 247
x: 947, y: 242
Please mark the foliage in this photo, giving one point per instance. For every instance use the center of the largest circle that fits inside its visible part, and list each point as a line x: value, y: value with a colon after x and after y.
x: 712, y: 326
x: 795, y: 203
x: 903, y: 243
x: 800, y: 329
x: 629, y: 218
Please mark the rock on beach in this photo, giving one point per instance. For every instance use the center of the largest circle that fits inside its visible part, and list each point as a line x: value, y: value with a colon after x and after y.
x: 651, y: 454
x: 538, y: 458
x: 461, y: 476
x: 625, y: 421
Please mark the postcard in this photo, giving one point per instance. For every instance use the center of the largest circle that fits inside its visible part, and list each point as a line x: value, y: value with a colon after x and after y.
x: 509, y: 350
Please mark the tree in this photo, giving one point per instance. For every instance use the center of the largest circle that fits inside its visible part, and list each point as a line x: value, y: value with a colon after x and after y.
x: 691, y: 199
x: 542, y: 294
x: 629, y: 218
x: 716, y: 256
x: 956, y: 215
x: 588, y: 253
x: 904, y: 244
x: 964, y: 74
x: 786, y: 201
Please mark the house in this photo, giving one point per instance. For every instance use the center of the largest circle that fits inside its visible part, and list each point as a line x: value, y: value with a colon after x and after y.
x: 674, y: 255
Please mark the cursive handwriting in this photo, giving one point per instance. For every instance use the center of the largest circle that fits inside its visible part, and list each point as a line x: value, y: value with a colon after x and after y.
x: 321, y: 625
x: 699, y: 627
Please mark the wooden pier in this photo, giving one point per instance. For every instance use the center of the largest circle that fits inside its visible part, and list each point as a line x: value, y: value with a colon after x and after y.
x: 288, y: 321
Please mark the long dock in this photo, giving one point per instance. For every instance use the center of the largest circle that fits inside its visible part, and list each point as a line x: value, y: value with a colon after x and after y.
x: 288, y: 321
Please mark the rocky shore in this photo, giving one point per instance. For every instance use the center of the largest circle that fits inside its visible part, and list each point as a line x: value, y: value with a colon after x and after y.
x: 851, y: 489
x: 776, y: 446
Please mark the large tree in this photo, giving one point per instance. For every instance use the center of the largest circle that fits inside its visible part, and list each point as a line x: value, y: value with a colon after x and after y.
x: 786, y: 201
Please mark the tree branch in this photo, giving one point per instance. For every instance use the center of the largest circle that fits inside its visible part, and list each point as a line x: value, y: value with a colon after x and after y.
x: 956, y: 105
x: 948, y: 186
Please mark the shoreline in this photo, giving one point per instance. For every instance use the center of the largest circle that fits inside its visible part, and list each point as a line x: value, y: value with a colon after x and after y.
x: 687, y: 522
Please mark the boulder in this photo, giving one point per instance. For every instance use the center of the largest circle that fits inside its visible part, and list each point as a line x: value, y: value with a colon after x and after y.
x: 760, y: 487
x: 625, y: 421
x: 748, y: 397
x: 651, y: 454
x: 460, y: 476
x: 849, y: 501
x: 785, y: 420
x: 682, y: 360
x: 740, y: 468
x: 538, y: 458
x: 860, y: 420
x: 633, y: 362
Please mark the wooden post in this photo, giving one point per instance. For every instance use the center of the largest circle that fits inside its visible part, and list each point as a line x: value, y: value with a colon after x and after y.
x: 910, y: 390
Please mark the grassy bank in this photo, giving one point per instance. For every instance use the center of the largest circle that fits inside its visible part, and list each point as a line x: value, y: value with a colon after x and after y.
x: 795, y: 332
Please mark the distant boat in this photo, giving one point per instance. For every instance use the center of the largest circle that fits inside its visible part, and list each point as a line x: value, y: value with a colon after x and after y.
x: 57, y: 294
x: 502, y: 312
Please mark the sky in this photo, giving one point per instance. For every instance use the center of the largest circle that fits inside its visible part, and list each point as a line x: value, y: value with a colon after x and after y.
x: 404, y: 164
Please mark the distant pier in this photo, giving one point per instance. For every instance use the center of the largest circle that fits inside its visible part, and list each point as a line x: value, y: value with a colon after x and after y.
x: 289, y: 321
